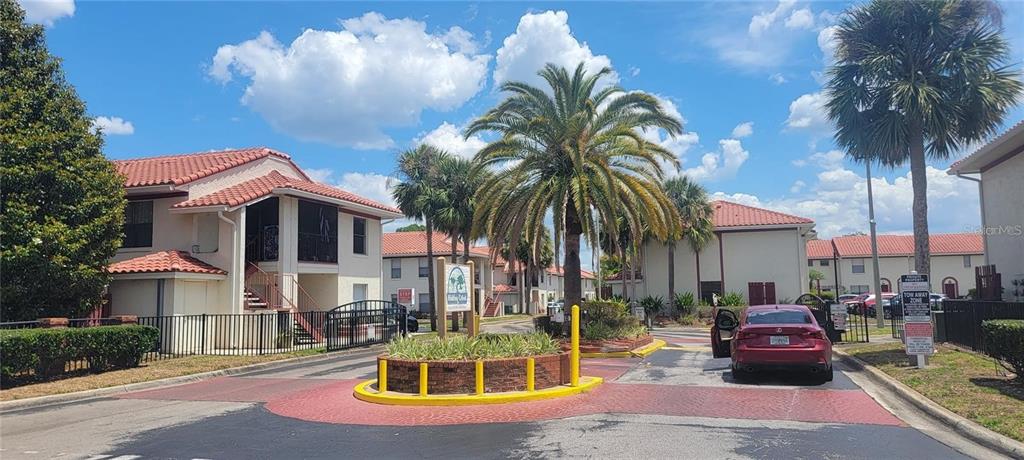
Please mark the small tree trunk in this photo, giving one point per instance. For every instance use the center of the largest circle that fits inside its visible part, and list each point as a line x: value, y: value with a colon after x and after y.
x: 573, y: 280
x: 919, y: 182
x: 697, y: 259
x: 430, y: 273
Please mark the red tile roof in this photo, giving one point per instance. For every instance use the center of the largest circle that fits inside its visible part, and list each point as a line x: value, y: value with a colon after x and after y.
x: 503, y: 288
x: 184, y: 168
x: 259, y: 187
x: 819, y: 249
x: 560, y: 271
x: 397, y: 244
x: 903, y: 245
x: 164, y: 262
x: 729, y: 214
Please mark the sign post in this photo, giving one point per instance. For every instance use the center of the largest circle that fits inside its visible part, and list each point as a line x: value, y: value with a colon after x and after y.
x: 439, y: 284
x: 915, y: 292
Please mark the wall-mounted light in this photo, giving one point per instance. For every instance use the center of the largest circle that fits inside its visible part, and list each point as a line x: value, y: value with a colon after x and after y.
x: 195, y: 249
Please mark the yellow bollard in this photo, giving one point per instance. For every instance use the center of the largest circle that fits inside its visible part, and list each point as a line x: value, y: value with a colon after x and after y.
x: 479, y: 377
x: 382, y: 375
x: 423, y: 379
x: 530, y: 363
x: 574, y: 365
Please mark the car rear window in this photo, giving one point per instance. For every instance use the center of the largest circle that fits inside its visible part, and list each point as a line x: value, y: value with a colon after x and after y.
x: 778, y: 317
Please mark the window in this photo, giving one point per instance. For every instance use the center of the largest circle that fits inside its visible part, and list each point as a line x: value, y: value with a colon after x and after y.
x: 358, y: 235
x: 359, y: 292
x: 778, y: 317
x: 424, y: 302
x: 858, y: 265
x: 396, y: 268
x: 810, y: 263
x: 824, y: 262
x: 859, y: 288
x: 967, y: 261
x: 394, y: 298
x: 424, y: 267
x: 138, y: 224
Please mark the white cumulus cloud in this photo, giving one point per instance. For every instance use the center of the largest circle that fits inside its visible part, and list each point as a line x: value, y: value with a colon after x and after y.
x: 113, y: 126
x: 344, y: 87
x: 808, y: 112
x: 370, y: 185
x: 540, y: 39
x: 45, y: 12
x: 722, y: 164
x: 743, y: 129
x: 448, y: 137
x: 800, y: 19
x: 761, y: 22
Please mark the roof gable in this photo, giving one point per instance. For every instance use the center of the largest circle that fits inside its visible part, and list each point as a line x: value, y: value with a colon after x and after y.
x: 729, y: 214
x: 185, y: 168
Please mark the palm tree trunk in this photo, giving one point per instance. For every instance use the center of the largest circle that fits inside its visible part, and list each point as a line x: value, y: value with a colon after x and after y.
x: 430, y: 273
x: 573, y: 281
x: 672, y: 275
x: 455, y: 249
x: 919, y: 182
x: 697, y: 258
x: 465, y: 248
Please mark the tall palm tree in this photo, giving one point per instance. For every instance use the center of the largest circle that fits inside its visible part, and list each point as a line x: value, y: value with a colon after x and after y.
x: 918, y: 79
x: 460, y: 181
x: 420, y: 195
x: 575, y: 151
x: 697, y: 228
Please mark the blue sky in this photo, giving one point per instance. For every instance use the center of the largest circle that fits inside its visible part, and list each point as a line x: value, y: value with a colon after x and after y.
x: 344, y: 87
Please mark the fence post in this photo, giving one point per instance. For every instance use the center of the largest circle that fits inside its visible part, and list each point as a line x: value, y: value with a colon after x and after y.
x: 261, y: 332
x: 202, y: 345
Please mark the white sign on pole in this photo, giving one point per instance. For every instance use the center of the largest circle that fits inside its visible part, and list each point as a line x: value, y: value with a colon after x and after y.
x: 839, y: 316
x: 456, y: 287
x: 915, y: 293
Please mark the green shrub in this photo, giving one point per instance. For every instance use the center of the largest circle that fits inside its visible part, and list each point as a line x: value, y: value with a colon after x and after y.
x: 596, y: 331
x: 732, y: 299
x: 704, y: 311
x: 1003, y: 339
x: 609, y: 320
x: 652, y: 305
x: 462, y: 347
x: 684, y: 303
x: 47, y: 351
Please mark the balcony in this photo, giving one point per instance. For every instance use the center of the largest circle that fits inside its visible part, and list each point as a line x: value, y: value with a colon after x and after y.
x: 315, y: 247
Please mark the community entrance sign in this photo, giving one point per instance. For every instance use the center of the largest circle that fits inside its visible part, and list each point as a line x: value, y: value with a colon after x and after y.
x: 453, y: 291
x: 915, y: 293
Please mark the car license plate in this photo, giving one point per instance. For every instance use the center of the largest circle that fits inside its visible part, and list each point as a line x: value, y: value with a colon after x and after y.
x: 779, y: 340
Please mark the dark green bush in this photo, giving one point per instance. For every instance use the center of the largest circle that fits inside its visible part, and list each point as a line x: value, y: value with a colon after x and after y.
x: 609, y: 319
x: 684, y: 303
x: 1003, y: 339
x: 732, y: 299
x: 46, y: 351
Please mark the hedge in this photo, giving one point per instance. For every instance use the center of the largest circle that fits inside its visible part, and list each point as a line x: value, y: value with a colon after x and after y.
x: 1003, y: 339
x: 46, y: 351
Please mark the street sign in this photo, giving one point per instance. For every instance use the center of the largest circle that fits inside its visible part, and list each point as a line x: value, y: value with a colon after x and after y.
x: 406, y: 296
x: 456, y: 287
x: 915, y: 292
x: 839, y: 316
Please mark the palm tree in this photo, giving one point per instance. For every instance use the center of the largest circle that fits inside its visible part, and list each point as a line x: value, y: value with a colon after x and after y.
x: 918, y: 79
x: 419, y: 195
x: 460, y: 181
x: 577, y: 152
x: 697, y: 228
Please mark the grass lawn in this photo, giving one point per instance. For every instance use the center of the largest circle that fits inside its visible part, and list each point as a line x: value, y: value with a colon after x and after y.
x: 498, y: 319
x: 149, y: 371
x: 969, y: 384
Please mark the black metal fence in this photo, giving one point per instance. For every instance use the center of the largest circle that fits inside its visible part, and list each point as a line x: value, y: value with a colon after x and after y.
x: 364, y: 322
x: 963, y: 318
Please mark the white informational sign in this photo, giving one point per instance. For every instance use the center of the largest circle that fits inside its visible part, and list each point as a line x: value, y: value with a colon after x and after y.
x: 919, y: 338
x: 915, y: 292
x: 839, y: 316
x: 456, y: 287
x: 406, y: 296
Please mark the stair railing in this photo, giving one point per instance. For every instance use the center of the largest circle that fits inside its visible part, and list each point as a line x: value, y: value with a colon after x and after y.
x: 264, y: 285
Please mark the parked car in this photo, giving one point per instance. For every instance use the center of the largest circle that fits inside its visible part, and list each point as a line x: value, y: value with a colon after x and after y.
x: 868, y: 305
x: 854, y: 305
x: 846, y: 297
x: 769, y: 337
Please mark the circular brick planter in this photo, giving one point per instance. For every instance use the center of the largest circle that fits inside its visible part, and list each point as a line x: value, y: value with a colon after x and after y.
x: 613, y: 345
x: 459, y: 377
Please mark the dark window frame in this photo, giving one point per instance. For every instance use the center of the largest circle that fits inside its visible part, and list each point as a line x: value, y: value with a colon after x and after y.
x: 396, y: 268
x: 358, y: 238
x: 138, y: 224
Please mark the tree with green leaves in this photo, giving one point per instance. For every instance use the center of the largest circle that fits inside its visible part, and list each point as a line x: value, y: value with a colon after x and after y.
x: 420, y: 195
x: 696, y: 225
x: 919, y: 79
x: 413, y: 227
x: 815, y: 278
x: 460, y: 182
x: 62, y: 202
x: 576, y: 151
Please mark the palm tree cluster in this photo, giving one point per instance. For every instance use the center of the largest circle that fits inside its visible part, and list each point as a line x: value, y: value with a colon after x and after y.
x: 574, y: 152
x: 439, y: 189
x: 919, y: 79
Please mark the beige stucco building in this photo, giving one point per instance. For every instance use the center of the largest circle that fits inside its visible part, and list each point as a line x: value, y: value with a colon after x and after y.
x: 998, y: 167
x: 757, y: 253
x: 241, y: 231
x: 953, y: 258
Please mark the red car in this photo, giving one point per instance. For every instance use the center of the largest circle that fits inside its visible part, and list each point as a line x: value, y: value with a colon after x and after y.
x: 769, y: 337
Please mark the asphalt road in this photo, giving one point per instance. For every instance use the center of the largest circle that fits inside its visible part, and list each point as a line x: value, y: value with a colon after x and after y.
x: 234, y: 418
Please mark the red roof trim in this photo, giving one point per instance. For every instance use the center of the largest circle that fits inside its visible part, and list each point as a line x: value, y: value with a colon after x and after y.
x: 181, y: 169
x: 729, y: 214
x: 164, y: 262
x: 903, y: 245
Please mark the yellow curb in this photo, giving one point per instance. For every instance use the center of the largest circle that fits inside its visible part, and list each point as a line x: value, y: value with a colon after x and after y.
x: 365, y: 393
x: 639, y: 352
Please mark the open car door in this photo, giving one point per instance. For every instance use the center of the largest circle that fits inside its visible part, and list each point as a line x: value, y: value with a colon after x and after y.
x: 722, y: 332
